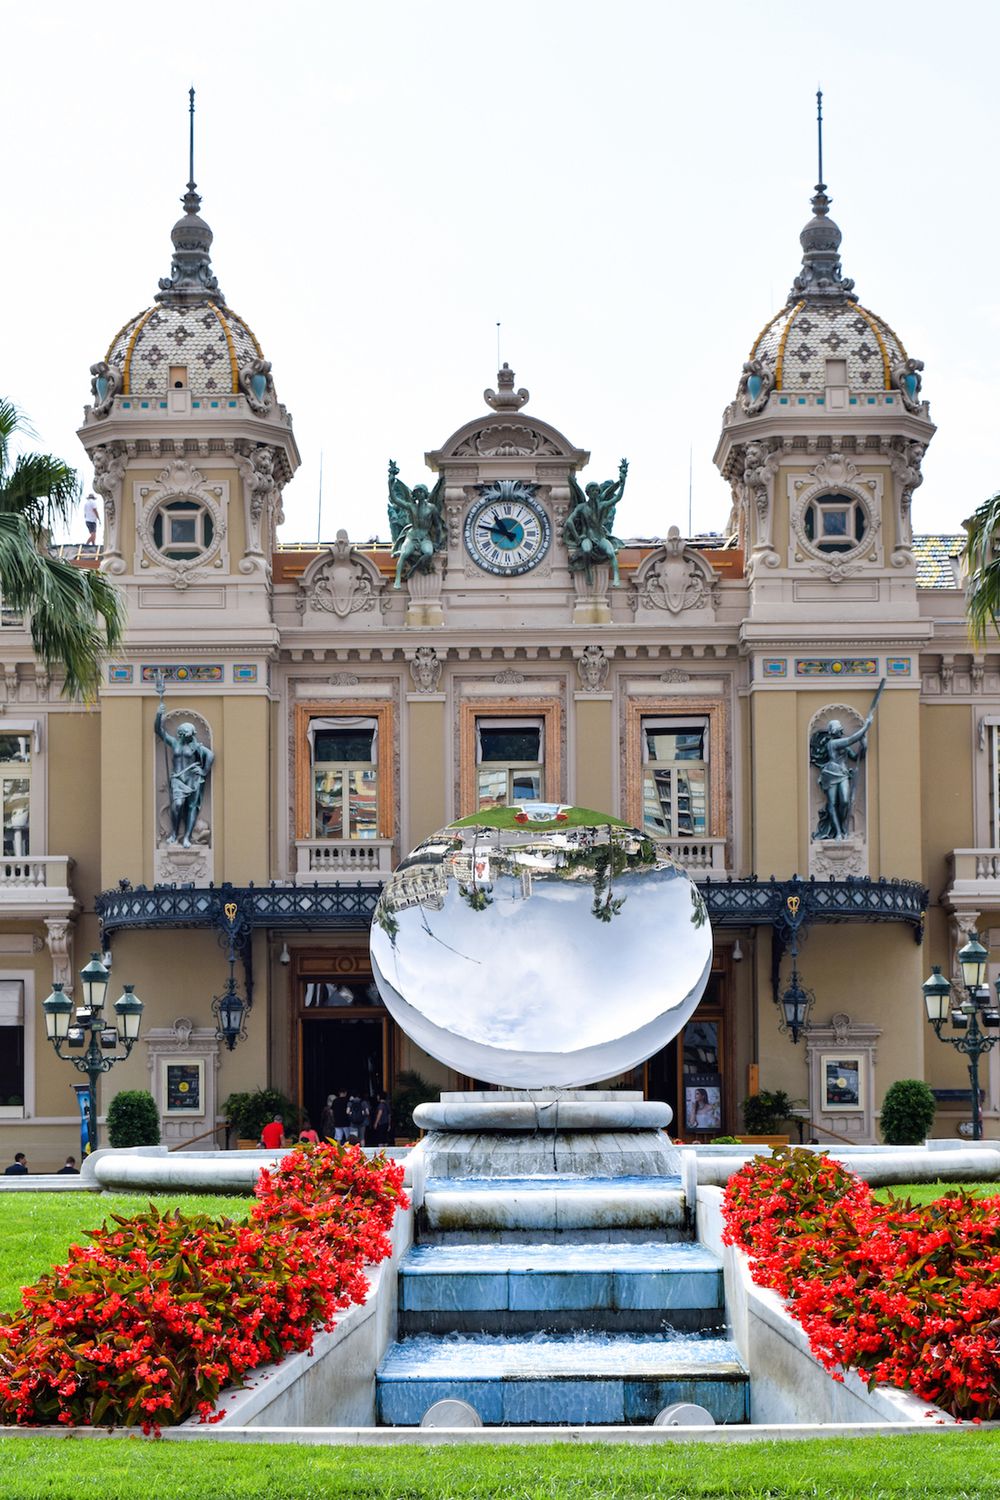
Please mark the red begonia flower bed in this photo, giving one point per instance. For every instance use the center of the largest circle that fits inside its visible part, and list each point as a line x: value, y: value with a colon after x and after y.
x: 907, y: 1296
x: 147, y: 1324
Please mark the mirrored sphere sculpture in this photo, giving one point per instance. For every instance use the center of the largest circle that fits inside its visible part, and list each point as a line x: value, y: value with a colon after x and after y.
x: 546, y: 952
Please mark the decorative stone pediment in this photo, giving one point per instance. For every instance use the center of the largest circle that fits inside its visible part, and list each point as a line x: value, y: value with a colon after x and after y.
x: 506, y: 435
x: 675, y: 577
x: 342, y: 581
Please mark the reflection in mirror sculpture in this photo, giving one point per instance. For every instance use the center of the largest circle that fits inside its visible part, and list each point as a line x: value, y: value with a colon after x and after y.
x: 543, y: 953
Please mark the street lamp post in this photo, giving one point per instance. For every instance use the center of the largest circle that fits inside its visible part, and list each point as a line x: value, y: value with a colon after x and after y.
x: 89, y: 1035
x: 969, y: 1038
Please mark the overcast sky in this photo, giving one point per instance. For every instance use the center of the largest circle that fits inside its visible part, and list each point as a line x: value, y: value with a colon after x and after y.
x: 621, y: 186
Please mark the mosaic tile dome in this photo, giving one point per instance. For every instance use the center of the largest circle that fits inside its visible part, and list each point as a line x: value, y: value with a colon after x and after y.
x: 823, y: 320
x: 190, y: 328
x: 796, y: 344
x: 212, y: 341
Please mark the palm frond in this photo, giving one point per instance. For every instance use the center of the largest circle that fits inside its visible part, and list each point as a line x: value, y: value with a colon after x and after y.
x: 41, y: 489
x: 982, y: 560
x: 77, y: 615
x: 12, y: 421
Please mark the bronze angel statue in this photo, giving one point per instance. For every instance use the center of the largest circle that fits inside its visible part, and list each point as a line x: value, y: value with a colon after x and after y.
x: 416, y: 523
x: 588, y: 529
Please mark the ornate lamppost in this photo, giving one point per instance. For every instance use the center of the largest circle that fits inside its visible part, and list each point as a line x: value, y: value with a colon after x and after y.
x: 966, y: 1015
x: 90, y: 1033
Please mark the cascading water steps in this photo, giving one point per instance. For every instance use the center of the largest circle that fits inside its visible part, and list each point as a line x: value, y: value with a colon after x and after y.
x: 551, y: 1301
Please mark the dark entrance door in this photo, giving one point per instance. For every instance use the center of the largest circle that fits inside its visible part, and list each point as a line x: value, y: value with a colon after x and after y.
x: 341, y: 1052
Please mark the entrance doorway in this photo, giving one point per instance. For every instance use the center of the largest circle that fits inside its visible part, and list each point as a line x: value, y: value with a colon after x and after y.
x: 341, y: 1052
x: 693, y: 1073
x: 342, y: 1031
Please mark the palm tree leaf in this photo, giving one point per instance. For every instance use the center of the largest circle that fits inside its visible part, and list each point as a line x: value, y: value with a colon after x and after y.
x: 77, y: 615
x: 41, y: 489
x: 982, y: 560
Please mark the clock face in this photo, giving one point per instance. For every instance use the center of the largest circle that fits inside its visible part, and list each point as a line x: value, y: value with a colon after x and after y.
x: 506, y: 531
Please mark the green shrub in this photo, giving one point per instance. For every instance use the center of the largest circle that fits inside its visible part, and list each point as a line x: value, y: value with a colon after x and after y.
x: 411, y: 1089
x: 249, y: 1113
x: 907, y: 1112
x: 133, y: 1119
x: 765, y: 1113
x: 725, y: 1140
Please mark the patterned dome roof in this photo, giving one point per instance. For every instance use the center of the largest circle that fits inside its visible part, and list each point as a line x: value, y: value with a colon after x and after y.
x: 823, y: 320
x: 212, y: 341
x: 189, y: 325
x: 799, y: 340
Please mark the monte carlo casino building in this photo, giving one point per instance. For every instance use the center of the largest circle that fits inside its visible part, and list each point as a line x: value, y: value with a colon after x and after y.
x: 350, y: 719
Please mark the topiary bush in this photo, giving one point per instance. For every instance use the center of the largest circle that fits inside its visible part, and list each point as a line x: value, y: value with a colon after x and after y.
x: 133, y: 1119
x: 907, y: 1112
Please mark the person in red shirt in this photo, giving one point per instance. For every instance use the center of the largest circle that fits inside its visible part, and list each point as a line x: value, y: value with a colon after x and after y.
x: 272, y: 1137
x: 308, y: 1135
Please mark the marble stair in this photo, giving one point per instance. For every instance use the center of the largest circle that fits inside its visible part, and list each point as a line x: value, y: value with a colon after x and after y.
x: 559, y: 1301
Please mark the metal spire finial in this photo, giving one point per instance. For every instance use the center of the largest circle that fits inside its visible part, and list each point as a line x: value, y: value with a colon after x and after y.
x: 821, y: 277
x: 191, y: 279
x: 820, y: 184
x: 191, y: 140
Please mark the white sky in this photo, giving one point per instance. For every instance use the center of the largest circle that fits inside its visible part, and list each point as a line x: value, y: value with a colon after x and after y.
x: 621, y: 185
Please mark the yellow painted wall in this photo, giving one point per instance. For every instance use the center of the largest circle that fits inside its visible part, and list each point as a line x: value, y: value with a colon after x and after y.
x: 594, y: 752
x: 243, y: 784
x: 125, y: 822
x: 425, y: 772
x: 775, y: 774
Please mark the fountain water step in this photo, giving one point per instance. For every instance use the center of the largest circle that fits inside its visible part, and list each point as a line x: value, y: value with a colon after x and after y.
x: 577, y: 1380
x: 563, y: 1286
x: 615, y: 1207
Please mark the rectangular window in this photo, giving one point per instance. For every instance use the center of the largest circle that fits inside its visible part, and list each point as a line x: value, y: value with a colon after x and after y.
x: 675, y: 777
x: 15, y: 793
x: 510, y: 761
x: 344, y: 778
x: 11, y: 1043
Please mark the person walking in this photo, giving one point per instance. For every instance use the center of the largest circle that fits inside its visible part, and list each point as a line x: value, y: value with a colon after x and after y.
x: 326, y: 1125
x: 358, y: 1115
x: 382, y: 1121
x: 91, y: 516
x: 272, y: 1137
x: 18, y: 1167
x: 339, y: 1110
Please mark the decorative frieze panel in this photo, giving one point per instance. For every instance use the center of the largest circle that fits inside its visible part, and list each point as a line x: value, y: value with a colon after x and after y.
x: 342, y: 582
x: 675, y: 578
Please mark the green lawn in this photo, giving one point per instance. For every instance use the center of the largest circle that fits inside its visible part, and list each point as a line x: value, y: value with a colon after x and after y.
x: 927, y: 1464
x: 37, y: 1229
x: 927, y: 1192
x: 503, y: 817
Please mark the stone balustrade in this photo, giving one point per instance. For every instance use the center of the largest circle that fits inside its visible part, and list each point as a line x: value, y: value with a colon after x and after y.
x: 975, y: 878
x: 342, y: 859
x: 699, y: 856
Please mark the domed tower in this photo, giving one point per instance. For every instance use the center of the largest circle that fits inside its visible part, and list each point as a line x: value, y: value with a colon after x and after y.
x: 191, y: 449
x: 190, y: 445
x: 823, y: 445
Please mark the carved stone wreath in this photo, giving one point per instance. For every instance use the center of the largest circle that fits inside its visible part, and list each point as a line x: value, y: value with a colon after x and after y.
x: 836, y: 473
x: 181, y: 481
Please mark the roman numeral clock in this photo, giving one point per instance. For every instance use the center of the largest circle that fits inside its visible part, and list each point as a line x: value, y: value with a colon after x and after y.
x: 507, y: 531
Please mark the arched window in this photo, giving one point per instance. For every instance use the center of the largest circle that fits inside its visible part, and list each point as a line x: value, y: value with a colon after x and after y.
x: 835, y: 523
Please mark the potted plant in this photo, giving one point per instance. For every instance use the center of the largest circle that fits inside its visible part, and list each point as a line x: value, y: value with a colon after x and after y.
x: 763, y: 1115
x: 248, y: 1113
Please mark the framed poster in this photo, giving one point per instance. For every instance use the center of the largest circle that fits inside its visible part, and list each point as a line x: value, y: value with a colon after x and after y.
x: 184, y: 1088
x: 703, y: 1103
x: 842, y: 1081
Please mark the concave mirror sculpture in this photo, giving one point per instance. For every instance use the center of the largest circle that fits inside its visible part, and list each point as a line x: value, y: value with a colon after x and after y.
x: 549, y: 952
